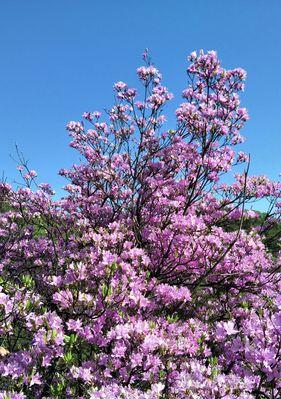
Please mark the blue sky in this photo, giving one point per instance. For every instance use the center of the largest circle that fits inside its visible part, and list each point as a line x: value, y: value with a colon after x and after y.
x: 60, y: 58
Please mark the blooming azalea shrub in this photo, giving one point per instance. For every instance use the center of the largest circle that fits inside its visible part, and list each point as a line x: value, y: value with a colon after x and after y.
x: 148, y: 279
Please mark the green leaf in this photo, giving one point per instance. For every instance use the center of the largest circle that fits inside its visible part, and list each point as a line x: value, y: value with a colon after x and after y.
x: 68, y: 357
x: 27, y: 281
x: 104, y: 290
x: 173, y: 318
x: 162, y: 374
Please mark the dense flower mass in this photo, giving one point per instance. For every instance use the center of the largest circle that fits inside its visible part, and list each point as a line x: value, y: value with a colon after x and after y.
x: 152, y: 278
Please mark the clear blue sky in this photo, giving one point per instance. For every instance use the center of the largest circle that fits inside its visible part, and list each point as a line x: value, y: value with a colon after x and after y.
x: 61, y: 57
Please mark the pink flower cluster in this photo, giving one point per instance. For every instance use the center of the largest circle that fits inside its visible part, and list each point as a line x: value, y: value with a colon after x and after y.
x: 144, y: 281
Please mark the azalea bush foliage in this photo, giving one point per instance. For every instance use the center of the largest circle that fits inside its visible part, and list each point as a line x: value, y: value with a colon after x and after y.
x: 147, y: 280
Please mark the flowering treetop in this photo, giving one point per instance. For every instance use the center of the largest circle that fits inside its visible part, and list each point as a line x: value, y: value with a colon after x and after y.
x: 144, y: 280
